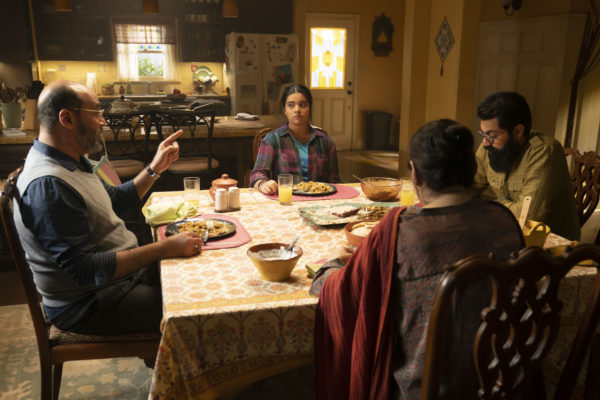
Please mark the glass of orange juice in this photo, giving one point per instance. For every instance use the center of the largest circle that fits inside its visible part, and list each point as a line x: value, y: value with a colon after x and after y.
x: 407, y: 193
x: 285, y: 183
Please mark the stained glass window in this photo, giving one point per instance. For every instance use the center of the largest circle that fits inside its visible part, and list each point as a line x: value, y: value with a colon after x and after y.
x: 327, y: 58
x: 151, y: 60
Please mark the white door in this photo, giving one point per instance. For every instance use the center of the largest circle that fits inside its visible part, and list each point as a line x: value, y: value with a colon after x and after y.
x: 331, y: 41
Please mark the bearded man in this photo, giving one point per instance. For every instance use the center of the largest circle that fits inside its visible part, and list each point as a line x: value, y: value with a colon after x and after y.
x: 514, y: 162
x: 92, y: 275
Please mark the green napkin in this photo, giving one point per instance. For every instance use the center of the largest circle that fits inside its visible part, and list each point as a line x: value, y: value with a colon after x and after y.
x: 164, y: 213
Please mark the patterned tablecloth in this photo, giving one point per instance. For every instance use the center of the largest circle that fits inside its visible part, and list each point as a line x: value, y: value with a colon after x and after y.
x: 224, y: 327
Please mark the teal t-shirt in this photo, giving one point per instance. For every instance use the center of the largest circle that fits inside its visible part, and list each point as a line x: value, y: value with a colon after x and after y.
x: 303, y: 152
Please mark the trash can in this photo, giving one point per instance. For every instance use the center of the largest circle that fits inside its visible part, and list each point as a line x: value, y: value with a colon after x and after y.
x: 378, y: 124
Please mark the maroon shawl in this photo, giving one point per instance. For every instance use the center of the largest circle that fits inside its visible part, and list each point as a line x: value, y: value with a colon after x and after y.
x: 354, y: 329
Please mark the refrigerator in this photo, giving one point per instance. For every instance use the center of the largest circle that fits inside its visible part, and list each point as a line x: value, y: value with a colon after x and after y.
x: 258, y: 68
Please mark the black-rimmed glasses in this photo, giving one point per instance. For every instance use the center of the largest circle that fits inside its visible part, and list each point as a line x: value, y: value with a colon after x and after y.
x: 486, y: 136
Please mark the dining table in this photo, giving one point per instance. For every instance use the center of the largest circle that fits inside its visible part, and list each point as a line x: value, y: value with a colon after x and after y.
x: 224, y: 327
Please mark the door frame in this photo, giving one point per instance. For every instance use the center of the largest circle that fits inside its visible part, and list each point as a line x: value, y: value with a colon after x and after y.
x: 355, y: 18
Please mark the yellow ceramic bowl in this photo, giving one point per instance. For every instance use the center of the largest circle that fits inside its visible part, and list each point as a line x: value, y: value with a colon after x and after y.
x: 271, y: 268
x: 535, y: 233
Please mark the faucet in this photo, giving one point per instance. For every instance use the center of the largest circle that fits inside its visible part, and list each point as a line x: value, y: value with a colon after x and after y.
x: 148, y: 86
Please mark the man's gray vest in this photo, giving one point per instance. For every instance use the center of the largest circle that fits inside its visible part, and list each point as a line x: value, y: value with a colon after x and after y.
x: 109, y: 231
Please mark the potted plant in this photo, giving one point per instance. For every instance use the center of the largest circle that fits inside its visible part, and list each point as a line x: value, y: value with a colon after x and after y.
x: 11, y: 107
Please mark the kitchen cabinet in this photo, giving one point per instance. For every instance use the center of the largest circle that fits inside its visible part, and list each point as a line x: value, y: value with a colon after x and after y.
x: 81, y: 34
x: 202, y: 31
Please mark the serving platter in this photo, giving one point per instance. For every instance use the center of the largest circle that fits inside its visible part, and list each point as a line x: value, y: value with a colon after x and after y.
x: 332, y: 190
x: 323, y: 215
x: 227, y: 226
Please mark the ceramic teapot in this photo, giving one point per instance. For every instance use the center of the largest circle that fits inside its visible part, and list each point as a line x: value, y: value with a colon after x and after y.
x: 224, y: 182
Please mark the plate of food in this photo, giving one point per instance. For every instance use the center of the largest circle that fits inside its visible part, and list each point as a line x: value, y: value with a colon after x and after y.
x: 311, y: 188
x: 217, y: 228
x: 343, y: 213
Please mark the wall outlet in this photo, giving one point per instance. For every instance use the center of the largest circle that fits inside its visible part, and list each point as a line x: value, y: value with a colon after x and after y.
x: 62, y: 67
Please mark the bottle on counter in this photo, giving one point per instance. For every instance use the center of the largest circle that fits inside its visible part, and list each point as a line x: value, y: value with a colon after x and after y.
x: 221, y: 200
x: 233, y: 198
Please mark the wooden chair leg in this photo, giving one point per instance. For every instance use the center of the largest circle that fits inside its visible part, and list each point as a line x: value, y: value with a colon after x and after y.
x: 56, y: 378
x: 592, y: 385
x: 46, y: 389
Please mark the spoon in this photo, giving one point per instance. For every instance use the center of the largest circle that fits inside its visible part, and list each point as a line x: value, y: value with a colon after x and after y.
x: 291, y: 246
x: 359, y: 179
x: 524, y: 211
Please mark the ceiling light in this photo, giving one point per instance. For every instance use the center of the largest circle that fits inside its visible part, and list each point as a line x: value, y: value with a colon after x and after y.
x: 150, y: 6
x: 230, y: 9
x: 62, y: 5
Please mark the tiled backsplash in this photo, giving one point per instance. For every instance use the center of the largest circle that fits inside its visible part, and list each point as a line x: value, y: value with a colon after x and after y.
x: 106, y: 72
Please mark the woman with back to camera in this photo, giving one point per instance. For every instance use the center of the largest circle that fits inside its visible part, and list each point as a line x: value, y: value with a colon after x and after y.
x: 380, y: 300
x: 295, y: 148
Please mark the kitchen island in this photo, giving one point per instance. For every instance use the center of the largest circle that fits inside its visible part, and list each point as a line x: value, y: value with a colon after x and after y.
x: 231, y: 138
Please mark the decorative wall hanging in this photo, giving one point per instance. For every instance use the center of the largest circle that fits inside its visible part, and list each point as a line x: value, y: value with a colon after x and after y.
x: 381, y: 43
x: 444, y: 42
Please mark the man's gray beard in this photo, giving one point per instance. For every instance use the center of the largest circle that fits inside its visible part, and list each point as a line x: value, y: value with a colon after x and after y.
x: 89, y: 145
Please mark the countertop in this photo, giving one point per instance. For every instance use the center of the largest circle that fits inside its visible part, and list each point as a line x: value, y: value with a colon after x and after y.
x: 225, y: 127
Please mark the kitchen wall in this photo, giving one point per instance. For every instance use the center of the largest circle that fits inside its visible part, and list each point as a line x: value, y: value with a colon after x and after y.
x: 106, y: 72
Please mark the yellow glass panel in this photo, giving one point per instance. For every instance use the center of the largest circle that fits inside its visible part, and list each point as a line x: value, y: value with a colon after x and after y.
x: 328, y: 58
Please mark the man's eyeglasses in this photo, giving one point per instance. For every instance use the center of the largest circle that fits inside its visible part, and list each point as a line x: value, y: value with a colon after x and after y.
x: 95, y: 111
x: 486, y: 136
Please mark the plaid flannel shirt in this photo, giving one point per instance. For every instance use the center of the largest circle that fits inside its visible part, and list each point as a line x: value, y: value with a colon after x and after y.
x: 278, y: 155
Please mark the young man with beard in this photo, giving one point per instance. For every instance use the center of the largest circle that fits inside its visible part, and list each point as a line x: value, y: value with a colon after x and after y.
x: 514, y: 162
x: 92, y: 275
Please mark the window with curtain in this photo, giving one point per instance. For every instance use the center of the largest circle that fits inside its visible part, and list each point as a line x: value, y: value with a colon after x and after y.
x: 145, y: 51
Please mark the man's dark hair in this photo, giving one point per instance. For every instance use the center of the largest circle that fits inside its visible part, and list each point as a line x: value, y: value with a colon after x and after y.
x: 63, y: 96
x: 443, y: 156
x: 510, y: 108
x: 297, y: 88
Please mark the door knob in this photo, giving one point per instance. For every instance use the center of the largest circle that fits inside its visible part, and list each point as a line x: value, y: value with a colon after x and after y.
x: 349, y: 91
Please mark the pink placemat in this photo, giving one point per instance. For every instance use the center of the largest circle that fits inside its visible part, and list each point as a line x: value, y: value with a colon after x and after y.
x: 343, y: 192
x: 240, y: 237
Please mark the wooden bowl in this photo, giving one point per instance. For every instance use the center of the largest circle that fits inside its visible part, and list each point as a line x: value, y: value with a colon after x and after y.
x: 273, y: 270
x: 353, y: 238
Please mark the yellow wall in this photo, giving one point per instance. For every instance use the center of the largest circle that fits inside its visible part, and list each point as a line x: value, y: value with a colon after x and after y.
x: 491, y: 10
x: 106, y: 72
x: 378, y: 80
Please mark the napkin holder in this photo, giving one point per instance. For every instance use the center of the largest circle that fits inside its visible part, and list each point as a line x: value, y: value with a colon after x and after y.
x: 535, y: 233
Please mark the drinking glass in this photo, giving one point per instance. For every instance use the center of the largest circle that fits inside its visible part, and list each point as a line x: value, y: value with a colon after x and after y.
x: 407, y: 193
x: 285, y: 184
x: 191, y: 190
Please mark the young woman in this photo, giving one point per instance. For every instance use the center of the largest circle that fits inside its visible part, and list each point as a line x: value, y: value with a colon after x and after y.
x: 371, y: 321
x: 296, y: 147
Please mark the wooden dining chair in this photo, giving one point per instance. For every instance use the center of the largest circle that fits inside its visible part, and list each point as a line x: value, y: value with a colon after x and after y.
x: 585, y: 175
x: 518, y: 327
x: 55, y: 346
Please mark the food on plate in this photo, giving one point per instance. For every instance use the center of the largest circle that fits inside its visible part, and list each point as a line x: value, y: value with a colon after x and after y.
x: 372, y: 212
x: 344, y: 211
x: 176, y: 91
x: 312, y: 187
x: 199, y: 226
x: 363, y: 228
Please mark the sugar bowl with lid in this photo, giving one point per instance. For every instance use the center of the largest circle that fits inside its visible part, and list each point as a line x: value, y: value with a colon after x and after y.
x: 224, y: 182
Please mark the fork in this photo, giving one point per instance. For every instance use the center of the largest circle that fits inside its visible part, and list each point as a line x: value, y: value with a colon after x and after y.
x: 209, y: 224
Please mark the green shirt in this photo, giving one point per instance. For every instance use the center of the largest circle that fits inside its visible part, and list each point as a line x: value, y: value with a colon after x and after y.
x: 541, y: 173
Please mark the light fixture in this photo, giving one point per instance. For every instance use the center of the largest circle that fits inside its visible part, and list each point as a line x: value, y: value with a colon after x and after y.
x: 150, y: 6
x: 515, y: 4
x: 230, y: 9
x: 63, y: 5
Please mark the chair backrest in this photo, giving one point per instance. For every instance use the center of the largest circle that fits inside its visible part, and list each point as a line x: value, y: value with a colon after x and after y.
x: 127, y: 142
x: 196, y: 141
x: 40, y: 324
x: 520, y: 324
x: 257, y: 138
x: 585, y: 175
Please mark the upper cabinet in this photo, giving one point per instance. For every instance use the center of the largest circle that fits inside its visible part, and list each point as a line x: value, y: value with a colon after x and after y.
x: 81, y: 34
x: 202, y: 35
